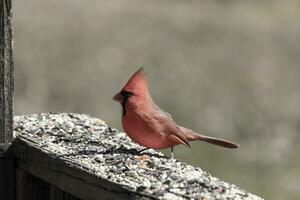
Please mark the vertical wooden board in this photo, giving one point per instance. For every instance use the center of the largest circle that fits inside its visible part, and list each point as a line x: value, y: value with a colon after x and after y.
x: 7, y: 178
x: 6, y: 73
x: 30, y: 187
x: 7, y: 166
x: 20, y: 184
x: 57, y: 194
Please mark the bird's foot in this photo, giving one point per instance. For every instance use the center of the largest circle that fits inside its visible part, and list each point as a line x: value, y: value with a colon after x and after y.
x: 172, y: 153
x: 173, y: 160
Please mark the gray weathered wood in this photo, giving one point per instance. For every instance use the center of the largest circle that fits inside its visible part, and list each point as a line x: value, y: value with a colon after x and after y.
x: 81, y: 157
x: 7, y: 171
x: 32, y: 159
x: 6, y: 75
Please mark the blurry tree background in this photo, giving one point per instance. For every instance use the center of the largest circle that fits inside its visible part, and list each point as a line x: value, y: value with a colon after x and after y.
x: 228, y: 69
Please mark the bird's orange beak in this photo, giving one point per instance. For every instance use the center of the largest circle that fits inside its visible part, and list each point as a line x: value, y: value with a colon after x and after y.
x: 118, y: 97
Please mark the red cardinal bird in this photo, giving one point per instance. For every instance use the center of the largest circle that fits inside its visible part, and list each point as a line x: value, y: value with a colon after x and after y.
x: 148, y: 125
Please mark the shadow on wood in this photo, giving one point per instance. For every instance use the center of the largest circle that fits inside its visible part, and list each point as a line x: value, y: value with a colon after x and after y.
x: 7, y: 177
x: 32, y: 188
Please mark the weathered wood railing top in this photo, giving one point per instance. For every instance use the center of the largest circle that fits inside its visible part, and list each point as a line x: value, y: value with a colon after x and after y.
x: 84, y: 157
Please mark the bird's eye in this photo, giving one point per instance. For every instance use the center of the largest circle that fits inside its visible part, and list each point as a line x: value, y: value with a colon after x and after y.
x: 126, y: 94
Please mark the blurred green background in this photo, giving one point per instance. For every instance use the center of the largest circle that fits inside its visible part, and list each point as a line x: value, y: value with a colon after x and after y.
x: 228, y: 69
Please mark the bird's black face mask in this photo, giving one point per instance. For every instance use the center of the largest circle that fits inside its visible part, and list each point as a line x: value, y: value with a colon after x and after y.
x: 125, y: 95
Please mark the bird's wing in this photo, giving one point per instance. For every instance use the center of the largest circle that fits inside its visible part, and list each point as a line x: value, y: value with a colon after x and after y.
x: 167, y: 125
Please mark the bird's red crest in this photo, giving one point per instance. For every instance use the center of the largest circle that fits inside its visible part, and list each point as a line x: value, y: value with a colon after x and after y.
x: 137, y: 82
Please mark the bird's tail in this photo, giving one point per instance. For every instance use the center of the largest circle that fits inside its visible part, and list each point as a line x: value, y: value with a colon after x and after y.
x: 219, y: 142
x: 191, y: 136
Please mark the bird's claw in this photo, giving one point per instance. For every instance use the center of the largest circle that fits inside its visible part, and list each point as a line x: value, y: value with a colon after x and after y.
x: 142, y: 150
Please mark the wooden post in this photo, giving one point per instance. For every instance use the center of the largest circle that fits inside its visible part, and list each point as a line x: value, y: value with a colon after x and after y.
x: 7, y: 169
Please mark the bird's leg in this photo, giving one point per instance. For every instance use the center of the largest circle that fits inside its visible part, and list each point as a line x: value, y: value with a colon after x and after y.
x: 141, y: 151
x: 172, y: 154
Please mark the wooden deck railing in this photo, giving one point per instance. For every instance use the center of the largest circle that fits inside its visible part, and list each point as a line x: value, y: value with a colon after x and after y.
x: 73, y: 156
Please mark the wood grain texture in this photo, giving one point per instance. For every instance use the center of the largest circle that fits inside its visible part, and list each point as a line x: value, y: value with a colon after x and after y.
x: 30, y: 187
x: 68, y: 177
x: 6, y: 75
x: 7, y: 167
